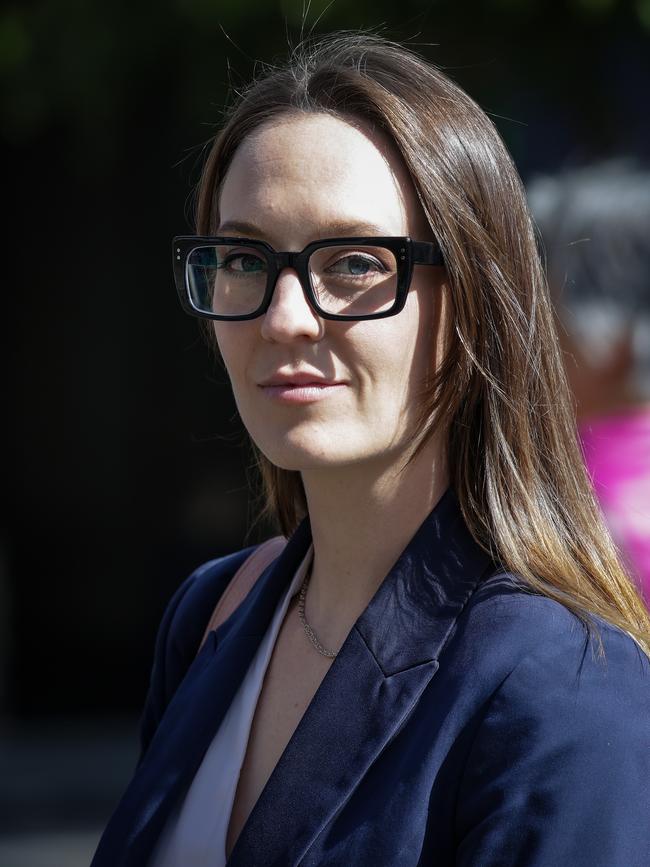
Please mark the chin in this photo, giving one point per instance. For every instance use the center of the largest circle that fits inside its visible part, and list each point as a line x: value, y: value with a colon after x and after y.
x: 300, y: 460
x: 306, y: 453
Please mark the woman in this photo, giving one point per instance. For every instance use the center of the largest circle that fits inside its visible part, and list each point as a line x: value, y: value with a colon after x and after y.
x: 446, y: 663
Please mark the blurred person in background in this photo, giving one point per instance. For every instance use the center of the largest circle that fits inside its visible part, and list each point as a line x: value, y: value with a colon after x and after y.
x: 430, y: 670
x: 595, y: 227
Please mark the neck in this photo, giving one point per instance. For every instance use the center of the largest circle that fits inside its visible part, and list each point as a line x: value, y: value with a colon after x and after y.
x: 362, y: 518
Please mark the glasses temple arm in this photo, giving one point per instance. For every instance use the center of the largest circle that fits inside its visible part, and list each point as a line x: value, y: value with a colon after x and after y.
x: 426, y: 253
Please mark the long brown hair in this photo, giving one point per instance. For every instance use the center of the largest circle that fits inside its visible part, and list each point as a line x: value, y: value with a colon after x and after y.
x: 500, y: 393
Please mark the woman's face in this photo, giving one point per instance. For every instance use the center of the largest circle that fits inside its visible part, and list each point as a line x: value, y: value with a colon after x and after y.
x: 316, y: 393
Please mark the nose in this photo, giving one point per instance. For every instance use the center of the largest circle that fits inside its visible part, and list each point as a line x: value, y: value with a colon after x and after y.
x: 290, y: 315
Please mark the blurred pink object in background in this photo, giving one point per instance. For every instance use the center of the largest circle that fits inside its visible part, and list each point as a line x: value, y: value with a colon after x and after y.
x: 617, y: 454
x: 595, y: 223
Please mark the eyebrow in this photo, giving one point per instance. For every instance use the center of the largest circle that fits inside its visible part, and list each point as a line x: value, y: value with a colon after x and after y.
x: 334, y: 229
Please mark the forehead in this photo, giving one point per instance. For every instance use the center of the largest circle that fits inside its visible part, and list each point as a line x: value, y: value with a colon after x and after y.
x: 298, y: 175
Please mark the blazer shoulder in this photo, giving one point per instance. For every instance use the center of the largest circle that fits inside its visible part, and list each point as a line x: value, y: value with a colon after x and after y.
x: 189, y: 610
x: 562, y: 746
x: 181, y: 629
x: 558, y: 650
x: 506, y: 624
x: 506, y: 602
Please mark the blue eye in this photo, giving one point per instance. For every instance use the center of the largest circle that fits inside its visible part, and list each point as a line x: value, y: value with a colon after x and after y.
x: 244, y: 263
x: 356, y: 266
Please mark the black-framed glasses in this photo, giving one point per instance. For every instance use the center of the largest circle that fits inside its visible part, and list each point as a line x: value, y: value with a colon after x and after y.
x: 229, y: 278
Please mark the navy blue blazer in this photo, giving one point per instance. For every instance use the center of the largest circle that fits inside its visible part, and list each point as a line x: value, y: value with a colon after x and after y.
x: 464, y: 721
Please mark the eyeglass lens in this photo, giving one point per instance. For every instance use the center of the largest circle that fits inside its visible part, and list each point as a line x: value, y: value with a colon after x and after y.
x: 231, y: 280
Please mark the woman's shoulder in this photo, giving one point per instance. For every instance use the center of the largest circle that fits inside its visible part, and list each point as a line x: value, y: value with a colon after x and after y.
x: 200, y: 591
x: 526, y: 634
x: 561, y: 741
x: 189, y: 610
x: 181, y: 630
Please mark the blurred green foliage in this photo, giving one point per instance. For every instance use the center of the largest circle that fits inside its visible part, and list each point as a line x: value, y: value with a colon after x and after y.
x: 643, y: 13
x: 83, y: 63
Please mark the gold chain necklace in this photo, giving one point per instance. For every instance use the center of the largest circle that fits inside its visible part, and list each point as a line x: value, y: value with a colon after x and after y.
x: 330, y: 654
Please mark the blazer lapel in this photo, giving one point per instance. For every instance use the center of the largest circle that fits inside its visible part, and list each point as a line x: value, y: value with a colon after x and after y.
x: 385, y: 664
x: 194, y: 714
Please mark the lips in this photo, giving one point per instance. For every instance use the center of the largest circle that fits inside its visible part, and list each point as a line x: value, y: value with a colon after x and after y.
x: 302, y: 378
x: 300, y: 387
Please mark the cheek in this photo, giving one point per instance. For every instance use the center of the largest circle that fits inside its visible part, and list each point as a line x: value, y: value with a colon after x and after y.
x: 432, y: 303
x: 233, y: 346
x: 409, y: 345
x: 408, y: 348
x: 390, y: 359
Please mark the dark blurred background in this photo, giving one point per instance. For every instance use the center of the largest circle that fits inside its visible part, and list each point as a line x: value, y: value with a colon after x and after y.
x: 126, y: 466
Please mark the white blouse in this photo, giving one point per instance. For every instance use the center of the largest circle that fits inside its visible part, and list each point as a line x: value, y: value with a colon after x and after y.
x: 195, y: 833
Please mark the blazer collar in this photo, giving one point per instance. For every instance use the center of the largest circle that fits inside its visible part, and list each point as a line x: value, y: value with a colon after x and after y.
x: 414, y: 610
x: 412, y: 613
x: 386, y: 662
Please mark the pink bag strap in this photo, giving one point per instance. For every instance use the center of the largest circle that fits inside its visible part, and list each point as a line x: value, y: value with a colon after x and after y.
x: 243, y: 580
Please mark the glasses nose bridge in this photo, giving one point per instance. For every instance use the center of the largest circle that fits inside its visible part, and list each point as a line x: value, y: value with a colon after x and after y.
x: 287, y: 260
x: 290, y: 260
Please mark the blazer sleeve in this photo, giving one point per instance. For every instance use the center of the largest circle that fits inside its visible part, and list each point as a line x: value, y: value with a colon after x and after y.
x: 180, y: 633
x: 559, y: 771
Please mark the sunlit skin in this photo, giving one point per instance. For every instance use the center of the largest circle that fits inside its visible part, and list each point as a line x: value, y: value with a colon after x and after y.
x: 337, y: 401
